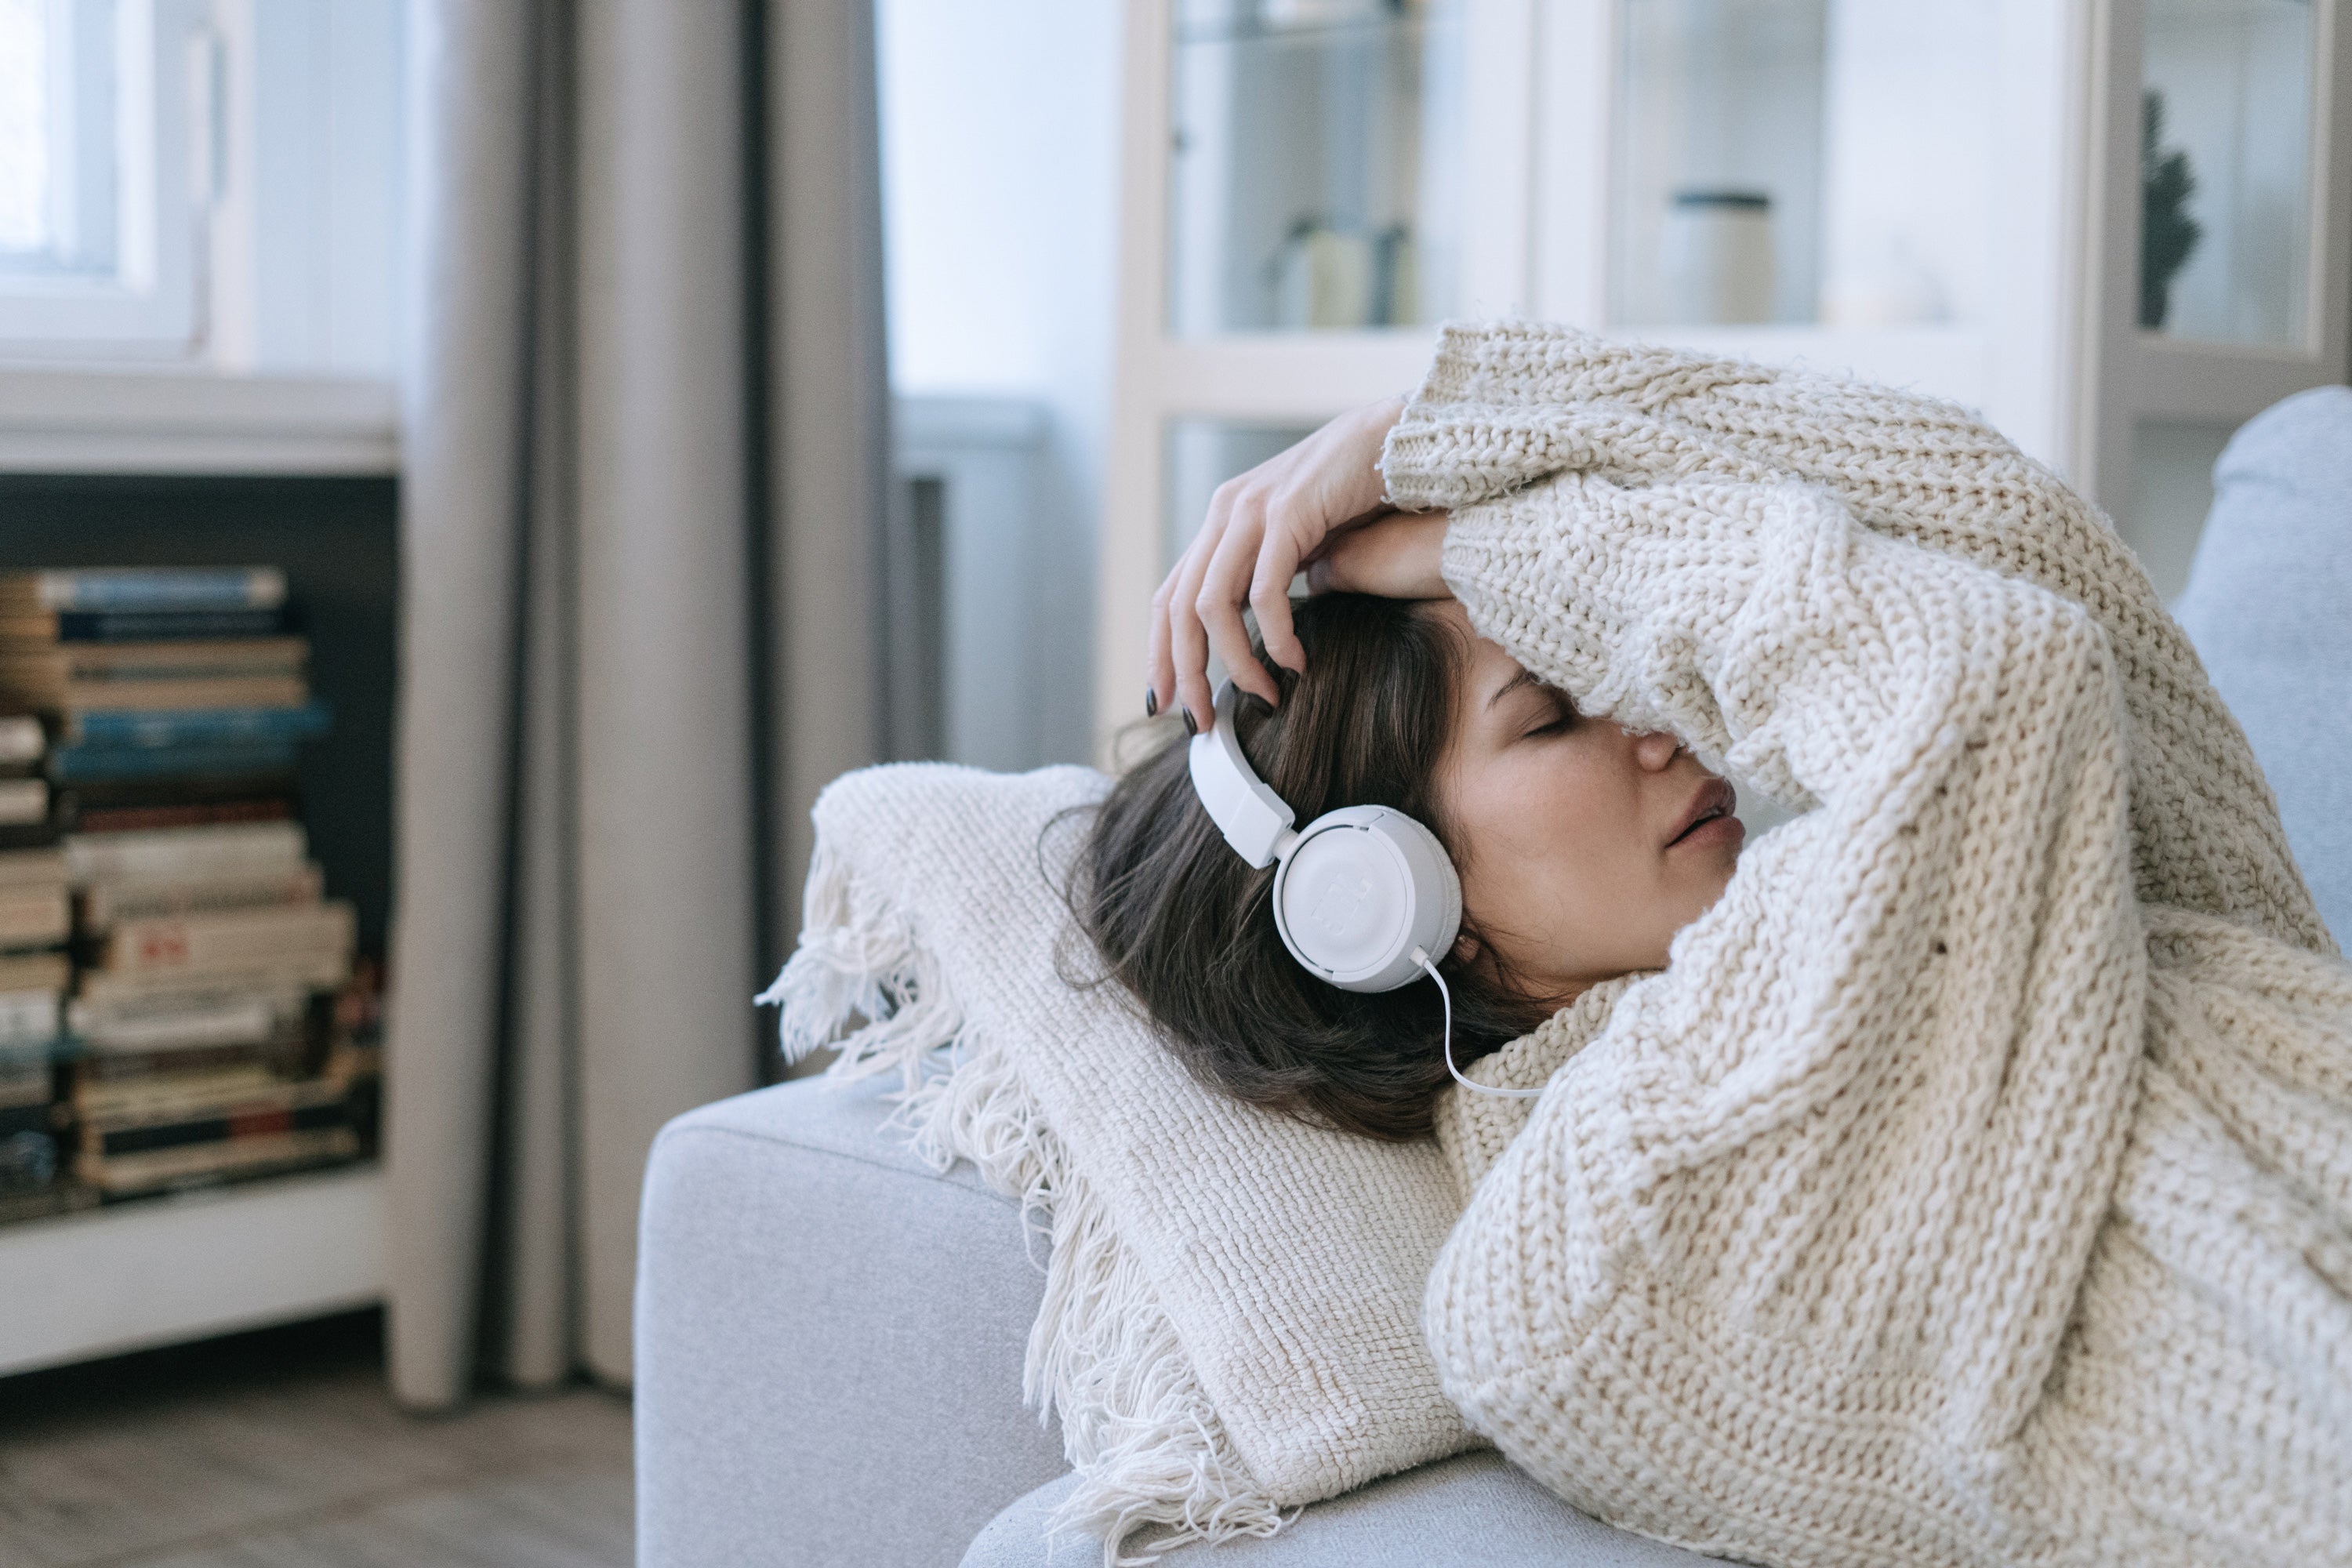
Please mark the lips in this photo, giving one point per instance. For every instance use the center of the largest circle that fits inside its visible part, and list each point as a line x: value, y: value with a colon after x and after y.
x: 1714, y: 798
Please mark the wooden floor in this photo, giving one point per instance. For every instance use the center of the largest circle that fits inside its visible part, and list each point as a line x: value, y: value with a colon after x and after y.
x: 281, y: 1448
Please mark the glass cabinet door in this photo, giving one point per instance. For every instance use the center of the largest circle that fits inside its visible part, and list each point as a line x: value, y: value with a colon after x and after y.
x: 1314, y: 160
x: 1801, y: 161
x: 2225, y: 169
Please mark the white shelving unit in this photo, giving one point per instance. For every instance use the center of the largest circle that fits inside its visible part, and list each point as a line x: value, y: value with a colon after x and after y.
x: 196, y: 422
x: 1943, y: 194
x: 208, y: 1262
x: 163, y: 1271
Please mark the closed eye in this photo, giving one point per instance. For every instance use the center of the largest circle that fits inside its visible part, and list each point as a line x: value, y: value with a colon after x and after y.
x: 1562, y: 720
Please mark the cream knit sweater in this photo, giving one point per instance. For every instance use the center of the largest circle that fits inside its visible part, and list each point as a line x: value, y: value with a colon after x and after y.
x: 1975, y: 1184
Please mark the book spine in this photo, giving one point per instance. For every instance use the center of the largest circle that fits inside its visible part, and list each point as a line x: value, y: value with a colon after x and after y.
x: 199, y: 1163
x: 174, y: 588
x: 243, y: 939
x: 103, y: 991
x: 143, y: 625
x: 21, y: 739
x: 104, y: 903
x: 178, y: 696
x: 167, y: 660
x: 35, y: 917
x: 35, y: 971
x: 185, y: 854
x: 198, y: 726
x: 256, y: 1123
x: 24, y: 801
x: 114, y: 764
x: 196, y: 813
x: 277, y: 1058
x: 19, y: 867
x: 229, y: 1026
x: 28, y: 1017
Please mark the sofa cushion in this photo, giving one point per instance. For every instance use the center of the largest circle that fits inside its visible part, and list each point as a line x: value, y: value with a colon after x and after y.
x: 829, y: 1341
x: 2268, y: 606
x: 1474, y: 1511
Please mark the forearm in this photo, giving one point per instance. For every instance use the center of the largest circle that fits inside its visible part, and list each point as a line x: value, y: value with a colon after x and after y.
x: 1509, y: 405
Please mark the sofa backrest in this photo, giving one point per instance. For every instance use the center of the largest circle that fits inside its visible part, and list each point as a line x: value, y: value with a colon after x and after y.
x: 2268, y: 606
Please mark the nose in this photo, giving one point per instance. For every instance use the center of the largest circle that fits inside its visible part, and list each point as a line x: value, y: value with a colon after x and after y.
x: 1655, y: 750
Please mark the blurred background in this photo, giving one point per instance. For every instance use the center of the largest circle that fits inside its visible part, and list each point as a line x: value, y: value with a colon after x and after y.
x: 472, y: 470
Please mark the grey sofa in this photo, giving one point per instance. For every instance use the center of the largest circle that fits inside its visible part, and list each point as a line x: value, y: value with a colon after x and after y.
x: 829, y: 1336
x: 829, y: 1342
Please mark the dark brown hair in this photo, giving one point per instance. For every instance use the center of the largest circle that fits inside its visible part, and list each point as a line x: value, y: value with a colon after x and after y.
x: 1187, y: 927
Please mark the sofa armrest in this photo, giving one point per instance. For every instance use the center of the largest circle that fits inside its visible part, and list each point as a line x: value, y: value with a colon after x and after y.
x: 829, y: 1341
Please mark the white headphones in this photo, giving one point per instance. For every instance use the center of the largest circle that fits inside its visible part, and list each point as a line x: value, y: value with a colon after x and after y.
x: 1362, y: 898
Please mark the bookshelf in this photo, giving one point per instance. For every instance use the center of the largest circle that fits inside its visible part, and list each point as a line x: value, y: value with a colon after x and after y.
x: 160, y: 1270
x: 322, y: 505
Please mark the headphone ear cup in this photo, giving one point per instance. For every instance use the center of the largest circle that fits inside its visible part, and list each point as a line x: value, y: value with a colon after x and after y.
x: 1362, y: 890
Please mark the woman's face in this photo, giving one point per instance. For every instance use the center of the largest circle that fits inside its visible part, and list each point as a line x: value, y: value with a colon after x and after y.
x: 1573, y: 837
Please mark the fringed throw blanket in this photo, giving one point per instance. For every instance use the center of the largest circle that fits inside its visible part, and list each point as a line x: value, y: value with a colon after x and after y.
x: 1975, y: 1184
x: 1231, y: 1322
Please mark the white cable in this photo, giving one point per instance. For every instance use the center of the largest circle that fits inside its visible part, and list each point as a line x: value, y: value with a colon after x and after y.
x: 1420, y: 956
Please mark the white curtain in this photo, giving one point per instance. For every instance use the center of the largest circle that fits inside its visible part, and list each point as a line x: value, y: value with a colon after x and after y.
x: 644, y: 465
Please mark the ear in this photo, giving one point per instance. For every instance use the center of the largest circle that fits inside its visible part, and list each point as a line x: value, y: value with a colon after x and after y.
x: 1466, y: 949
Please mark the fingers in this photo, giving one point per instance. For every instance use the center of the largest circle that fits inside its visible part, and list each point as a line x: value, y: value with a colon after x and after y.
x: 1188, y: 633
x: 1158, y: 658
x: 1259, y: 527
x: 1225, y: 588
x: 1160, y: 684
x: 1269, y: 596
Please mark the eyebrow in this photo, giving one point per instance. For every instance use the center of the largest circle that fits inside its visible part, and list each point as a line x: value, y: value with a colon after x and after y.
x: 1522, y: 678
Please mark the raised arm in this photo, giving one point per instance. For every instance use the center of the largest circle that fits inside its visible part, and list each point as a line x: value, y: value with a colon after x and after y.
x: 1846, y: 1155
x: 1509, y: 403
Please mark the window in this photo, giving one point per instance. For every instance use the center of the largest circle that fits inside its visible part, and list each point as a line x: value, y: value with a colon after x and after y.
x: 208, y: 184
x: 101, y: 221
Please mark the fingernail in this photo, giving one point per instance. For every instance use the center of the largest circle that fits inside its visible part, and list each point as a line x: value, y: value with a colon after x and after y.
x: 1189, y: 727
x: 1151, y: 703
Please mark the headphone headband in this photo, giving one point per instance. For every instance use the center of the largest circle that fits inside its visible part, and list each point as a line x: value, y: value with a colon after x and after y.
x: 1254, y: 820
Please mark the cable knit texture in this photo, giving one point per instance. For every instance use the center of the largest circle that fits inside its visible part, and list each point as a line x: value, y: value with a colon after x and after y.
x: 1975, y: 1183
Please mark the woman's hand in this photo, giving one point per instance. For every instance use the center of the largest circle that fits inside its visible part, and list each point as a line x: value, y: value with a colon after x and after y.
x: 1399, y: 556
x: 1261, y: 528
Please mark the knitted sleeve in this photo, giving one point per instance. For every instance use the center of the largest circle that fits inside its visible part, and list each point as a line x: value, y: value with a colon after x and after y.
x: 1790, y: 1246
x: 1508, y: 404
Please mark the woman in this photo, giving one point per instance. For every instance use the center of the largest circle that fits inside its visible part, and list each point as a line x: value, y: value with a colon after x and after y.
x: 1964, y: 1178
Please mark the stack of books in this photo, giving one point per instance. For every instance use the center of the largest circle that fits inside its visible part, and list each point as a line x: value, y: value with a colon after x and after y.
x: 206, y: 953
x: 35, y: 919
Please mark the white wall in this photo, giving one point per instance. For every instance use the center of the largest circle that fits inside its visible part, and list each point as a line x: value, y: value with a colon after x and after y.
x: 1000, y: 146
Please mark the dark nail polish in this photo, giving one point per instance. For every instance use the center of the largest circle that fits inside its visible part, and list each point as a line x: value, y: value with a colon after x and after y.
x: 1151, y: 703
x: 1190, y: 727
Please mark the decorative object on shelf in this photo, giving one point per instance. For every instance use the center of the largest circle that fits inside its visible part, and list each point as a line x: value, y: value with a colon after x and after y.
x: 199, y: 1042
x: 1332, y: 278
x: 2167, y: 235
x: 1717, y: 256
x: 1323, y: 13
x: 1325, y: 279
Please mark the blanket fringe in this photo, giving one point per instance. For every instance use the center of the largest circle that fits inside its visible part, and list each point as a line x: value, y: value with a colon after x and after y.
x: 1136, y: 1425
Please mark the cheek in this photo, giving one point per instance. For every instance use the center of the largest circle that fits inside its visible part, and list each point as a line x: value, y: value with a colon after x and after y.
x: 1537, y: 829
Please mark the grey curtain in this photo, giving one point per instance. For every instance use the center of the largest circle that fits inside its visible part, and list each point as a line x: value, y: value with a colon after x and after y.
x: 644, y: 465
